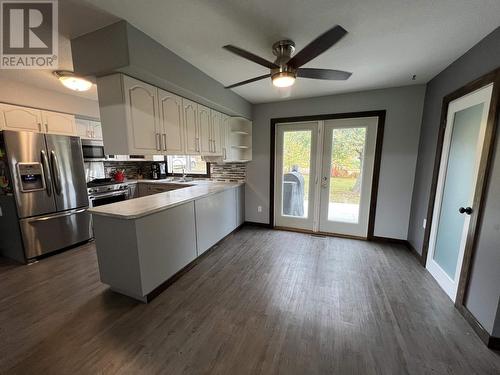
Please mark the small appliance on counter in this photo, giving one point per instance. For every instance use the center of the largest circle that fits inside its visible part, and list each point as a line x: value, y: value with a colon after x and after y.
x: 158, y: 170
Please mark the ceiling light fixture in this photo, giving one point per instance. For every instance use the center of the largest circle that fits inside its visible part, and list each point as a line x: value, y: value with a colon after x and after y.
x: 73, y: 82
x: 283, y: 79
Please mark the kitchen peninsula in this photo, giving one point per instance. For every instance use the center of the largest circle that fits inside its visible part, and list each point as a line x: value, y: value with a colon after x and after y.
x: 141, y: 243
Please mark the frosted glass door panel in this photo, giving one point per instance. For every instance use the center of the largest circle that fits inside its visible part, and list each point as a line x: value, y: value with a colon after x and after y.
x: 458, y: 187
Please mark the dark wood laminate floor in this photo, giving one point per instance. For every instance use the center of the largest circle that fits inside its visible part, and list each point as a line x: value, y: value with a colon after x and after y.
x: 264, y: 302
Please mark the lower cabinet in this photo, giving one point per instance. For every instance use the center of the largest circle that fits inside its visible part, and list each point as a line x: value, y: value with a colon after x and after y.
x: 215, y: 218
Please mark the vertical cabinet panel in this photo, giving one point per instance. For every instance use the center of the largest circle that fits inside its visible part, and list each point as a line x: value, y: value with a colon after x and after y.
x: 96, y: 130
x: 20, y: 118
x: 58, y: 123
x: 83, y: 128
x: 190, y: 114
x: 220, y: 206
x: 205, y: 131
x: 142, y: 102
x: 216, y: 132
x: 172, y: 122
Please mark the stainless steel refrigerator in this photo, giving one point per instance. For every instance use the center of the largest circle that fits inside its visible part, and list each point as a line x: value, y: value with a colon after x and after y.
x: 49, y: 188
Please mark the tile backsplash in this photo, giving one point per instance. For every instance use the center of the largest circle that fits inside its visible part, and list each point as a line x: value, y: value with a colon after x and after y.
x: 228, y: 172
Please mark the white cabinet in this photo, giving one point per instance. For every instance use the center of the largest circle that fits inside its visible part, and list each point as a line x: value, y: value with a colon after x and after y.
x: 20, y: 118
x: 205, y: 129
x: 216, y: 132
x: 58, y: 123
x: 88, y: 129
x: 190, y: 116
x: 171, y: 120
x: 95, y: 130
x: 141, y: 101
x: 220, y: 206
x: 28, y: 119
x: 141, y: 119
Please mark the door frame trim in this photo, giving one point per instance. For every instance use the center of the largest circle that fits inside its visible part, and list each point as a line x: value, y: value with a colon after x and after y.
x: 334, y: 116
x: 482, y: 179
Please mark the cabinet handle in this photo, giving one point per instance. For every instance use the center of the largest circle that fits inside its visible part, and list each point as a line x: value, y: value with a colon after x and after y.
x: 164, y: 136
x: 40, y: 127
x: 46, y: 127
x: 197, y: 144
x: 158, y: 142
x: 225, y: 154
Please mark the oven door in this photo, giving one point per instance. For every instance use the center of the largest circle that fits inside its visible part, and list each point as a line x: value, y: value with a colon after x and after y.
x: 108, y: 198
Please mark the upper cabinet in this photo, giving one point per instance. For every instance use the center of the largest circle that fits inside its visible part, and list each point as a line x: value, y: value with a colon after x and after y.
x: 141, y: 102
x: 139, y: 118
x: 35, y: 120
x: 205, y: 130
x: 191, y: 131
x: 88, y: 129
x: 58, y: 123
x: 171, y: 120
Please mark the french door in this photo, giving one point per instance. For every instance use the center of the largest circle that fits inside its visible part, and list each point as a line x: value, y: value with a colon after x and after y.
x: 323, y: 175
x: 459, y: 169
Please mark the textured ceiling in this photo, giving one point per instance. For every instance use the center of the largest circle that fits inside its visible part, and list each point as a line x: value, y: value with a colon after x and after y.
x: 388, y: 42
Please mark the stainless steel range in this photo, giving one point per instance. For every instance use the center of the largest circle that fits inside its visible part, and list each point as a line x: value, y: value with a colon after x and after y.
x: 104, y: 191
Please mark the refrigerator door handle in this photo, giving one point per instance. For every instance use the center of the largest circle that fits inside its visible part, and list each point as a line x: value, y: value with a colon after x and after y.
x: 55, y: 216
x: 55, y: 172
x: 46, y: 173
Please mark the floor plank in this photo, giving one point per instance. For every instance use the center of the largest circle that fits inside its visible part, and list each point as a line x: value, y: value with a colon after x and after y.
x: 264, y: 302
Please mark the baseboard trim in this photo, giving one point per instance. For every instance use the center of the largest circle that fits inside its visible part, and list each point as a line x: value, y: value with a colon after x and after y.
x: 256, y: 224
x: 491, y: 342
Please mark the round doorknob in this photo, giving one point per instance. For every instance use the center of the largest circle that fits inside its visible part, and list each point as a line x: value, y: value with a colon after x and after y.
x: 467, y: 210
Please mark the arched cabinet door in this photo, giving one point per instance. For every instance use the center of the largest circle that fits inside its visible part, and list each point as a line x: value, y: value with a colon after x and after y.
x: 191, y: 130
x: 58, y: 123
x: 141, y: 101
x: 20, y: 118
x: 170, y: 106
x: 204, y: 124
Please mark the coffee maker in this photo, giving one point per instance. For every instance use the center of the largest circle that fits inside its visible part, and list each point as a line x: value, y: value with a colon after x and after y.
x: 158, y: 170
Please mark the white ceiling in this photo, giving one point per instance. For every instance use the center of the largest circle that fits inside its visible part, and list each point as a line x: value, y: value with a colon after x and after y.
x: 388, y: 40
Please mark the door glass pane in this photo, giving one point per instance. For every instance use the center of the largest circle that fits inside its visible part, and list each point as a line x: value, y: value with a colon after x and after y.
x: 296, y: 172
x: 457, y: 187
x: 348, y: 146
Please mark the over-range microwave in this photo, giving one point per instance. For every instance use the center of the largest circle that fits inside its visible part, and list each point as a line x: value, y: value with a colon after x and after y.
x: 94, y: 151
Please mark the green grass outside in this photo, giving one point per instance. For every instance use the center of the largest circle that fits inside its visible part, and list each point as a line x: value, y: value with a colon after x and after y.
x: 340, y: 189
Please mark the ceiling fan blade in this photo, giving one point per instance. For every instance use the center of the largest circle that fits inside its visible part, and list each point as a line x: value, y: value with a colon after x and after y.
x: 250, y: 56
x: 330, y: 74
x: 248, y: 81
x: 317, y: 46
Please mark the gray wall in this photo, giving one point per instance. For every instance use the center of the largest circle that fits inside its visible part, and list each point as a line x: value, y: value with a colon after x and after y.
x: 404, y: 108
x: 485, y: 279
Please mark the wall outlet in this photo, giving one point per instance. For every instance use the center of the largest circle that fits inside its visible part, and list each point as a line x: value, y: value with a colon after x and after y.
x: 424, y: 224
x: 259, y: 208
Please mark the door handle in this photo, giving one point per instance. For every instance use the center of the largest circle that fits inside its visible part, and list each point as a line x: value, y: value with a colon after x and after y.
x: 46, y: 170
x: 55, y: 172
x: 324, y: 181
x: 467, y: 210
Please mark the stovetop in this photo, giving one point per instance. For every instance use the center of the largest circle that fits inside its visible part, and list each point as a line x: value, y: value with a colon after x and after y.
x: 100, y: 182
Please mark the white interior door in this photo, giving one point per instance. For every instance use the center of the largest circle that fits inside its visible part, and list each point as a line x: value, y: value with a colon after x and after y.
x: 347, y: 174
x: 295, y: 175
x: 459, y: 168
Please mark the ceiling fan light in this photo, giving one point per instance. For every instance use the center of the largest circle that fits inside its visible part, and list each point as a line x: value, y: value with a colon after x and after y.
x: 283, y: 79
x: 72, y: 82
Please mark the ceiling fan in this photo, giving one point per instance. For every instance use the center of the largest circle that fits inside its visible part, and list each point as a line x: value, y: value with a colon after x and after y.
x: 285, y: 69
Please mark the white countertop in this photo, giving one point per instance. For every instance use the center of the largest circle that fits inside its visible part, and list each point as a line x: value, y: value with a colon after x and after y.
x: 139, y: 207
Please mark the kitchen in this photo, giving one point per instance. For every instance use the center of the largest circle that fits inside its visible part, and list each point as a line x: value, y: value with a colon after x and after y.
x: 161, y: 211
